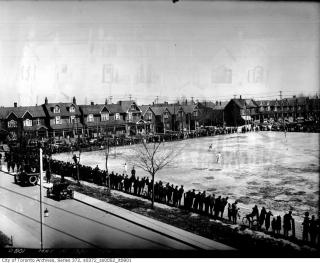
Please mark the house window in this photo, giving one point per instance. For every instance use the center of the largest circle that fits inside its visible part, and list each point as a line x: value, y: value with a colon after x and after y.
x: 72, y: 119
x: 27, y: 123
x: 104, y: 116
x: 12, y: 124
x: 148, y: 116
x: 195, y: 113
x: 165, y: 115
x: 56, y: 109
x: 38, y: 122
x: 117, y: 116
x: 72, y: 109
x: 58, y: 120
x: 130, y: 116
x: 90, y: 118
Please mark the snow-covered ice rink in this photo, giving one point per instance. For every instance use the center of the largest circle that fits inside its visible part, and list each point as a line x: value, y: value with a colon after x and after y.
x: 270, y: 169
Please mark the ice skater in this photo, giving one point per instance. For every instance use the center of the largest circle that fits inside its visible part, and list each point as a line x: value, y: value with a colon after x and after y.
x: 218, y: 156
x: 210, y: 147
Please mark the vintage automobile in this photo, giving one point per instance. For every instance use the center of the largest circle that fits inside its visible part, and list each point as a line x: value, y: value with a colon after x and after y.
x: 60, y: 191
x: 25, y: 178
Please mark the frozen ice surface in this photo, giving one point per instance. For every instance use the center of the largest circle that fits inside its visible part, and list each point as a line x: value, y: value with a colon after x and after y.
x: 270, y: 169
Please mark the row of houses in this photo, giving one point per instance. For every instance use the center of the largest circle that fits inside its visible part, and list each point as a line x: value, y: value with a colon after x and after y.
x: 63, y: 120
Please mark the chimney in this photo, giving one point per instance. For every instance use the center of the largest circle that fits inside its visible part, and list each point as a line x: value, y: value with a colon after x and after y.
x: 217, y: 102
x: 15, y: 104
x: 92, y: 103
x: 240, y: 97
x: 153, y: 103
x: 120, y: 102
x: 106, y: 102
x: 294, y: 96
x: 165, y: 103
x: 74, y: 100
x: 186, y: 102
x: 46, y: 101
x: 220, y: 102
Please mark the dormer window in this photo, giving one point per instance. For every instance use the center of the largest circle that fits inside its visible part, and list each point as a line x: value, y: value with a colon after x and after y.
x: 117, y: 116
x: 130, y: 116
x: 104, y: 116
x: 27, y: 123
x: 56, y: 109
x: 90, y: 118
x: 165, y: 115
x: 38, y: 122
x: 195, y: 113
x: 72, y: 109
x: 12, y: 124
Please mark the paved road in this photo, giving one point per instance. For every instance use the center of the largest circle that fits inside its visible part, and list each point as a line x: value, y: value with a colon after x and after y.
x: 71, y: 224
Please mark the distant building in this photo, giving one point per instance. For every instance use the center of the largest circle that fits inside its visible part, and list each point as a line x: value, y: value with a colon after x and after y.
x: 63, y: 119
x: 23, y: 122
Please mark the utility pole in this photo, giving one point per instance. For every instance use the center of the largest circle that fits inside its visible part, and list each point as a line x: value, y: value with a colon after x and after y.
x: 41, y: 205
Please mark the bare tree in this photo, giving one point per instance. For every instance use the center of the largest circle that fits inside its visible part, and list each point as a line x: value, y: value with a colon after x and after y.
x: 152, y: 157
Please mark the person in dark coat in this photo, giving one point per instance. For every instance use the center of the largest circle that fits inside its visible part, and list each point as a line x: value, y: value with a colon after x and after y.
x: 274, y: 225
x: 235, y: 212
x: 229, y: 212
x: 217, y: 207
x: 48, y: 175
x: 287, y: 223
x: 306, y: 227
x: 181, y: 191
x: 211, y: 205
x: 196, y: 201
x: 262, y: 216
x: 268, y: 218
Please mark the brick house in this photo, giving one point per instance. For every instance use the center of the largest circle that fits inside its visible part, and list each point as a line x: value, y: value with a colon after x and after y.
x: 23, y: 122
x: 240, y: 111
x: 63, y: 119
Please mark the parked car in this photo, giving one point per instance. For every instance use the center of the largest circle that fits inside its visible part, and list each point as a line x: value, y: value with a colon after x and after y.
x: 60, y: 191
x: 25, y: 178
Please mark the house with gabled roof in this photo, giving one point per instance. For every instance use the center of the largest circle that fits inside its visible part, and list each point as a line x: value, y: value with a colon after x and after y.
x: 27, y: 122
x: 63, y: 119
x: 100, y: 119
x: 240, y: 111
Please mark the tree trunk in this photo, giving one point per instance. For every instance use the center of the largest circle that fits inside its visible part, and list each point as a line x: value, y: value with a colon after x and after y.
x: 152, y: 201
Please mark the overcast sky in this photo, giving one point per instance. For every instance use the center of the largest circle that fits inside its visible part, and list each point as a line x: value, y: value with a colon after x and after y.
x: 201, y: 49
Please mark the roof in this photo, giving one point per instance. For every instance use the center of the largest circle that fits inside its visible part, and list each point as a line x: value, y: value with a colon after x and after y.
x: 144, y: 108
x: 126, y: 105
x: 92, y: 109
x: 158, y: 110
x: 35, y: 111
x: 115, y: 108
x: 64, y: 109
x: 188, y: 108
x: 248, y: 103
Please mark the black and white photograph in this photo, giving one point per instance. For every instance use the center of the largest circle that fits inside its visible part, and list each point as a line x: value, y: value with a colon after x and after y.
x: 159, y: 129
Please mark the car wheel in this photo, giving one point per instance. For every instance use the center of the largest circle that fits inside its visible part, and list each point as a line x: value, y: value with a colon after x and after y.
x: 33, y: 180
